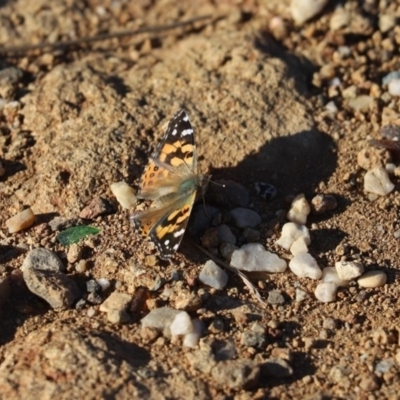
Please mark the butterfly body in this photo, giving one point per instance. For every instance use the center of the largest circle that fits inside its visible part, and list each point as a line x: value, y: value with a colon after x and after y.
x: 171, y: 181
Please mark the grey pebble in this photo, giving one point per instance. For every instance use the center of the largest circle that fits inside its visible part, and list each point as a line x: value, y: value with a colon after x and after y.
x: 225, y: 234
x: 42, y: 259
x: 224, y: 349
x: 329, y: 323
x: 265, y: 190
x: 253, y: 339
x: 61, y: 223
x: 244, y: 217
x: 275, y: 297
x: 42, y: 273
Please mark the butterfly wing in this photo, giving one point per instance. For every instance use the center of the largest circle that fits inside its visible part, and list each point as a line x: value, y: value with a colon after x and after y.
x: 170, y: 181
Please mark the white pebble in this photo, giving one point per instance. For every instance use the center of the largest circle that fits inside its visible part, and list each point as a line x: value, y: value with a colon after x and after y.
x: 299, y: 246
x: 212, y: 275
x: 303, y: 10
x: 372, y: 279
x: 253, y: 257
x: 290, y: 233
x: 377, y: 181
x: 125, y: 195
x: 192, y: 339
x: 182, y: 324
x: 104, y: 283
x: 326, y: 292
x: 349, y: 270
x: 21, y: 221
x: 299, y: 210
x: 331, y: 107
x: 91, y: 312
x: 329, y: 274
x: 305, y: 266
x: 394, y: 87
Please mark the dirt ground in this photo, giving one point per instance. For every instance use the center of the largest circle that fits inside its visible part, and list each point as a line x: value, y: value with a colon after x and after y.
x: 75, y: 119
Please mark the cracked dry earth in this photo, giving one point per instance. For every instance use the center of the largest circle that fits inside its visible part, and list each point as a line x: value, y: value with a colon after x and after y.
x: 73, y: 121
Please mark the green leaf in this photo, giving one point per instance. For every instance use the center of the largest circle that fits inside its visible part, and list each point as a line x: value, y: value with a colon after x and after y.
x: 75, y: 234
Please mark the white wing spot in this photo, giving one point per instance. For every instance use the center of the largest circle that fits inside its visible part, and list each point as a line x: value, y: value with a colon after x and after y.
x: 176, y: 247
x: 186, y: 118
x: 179, y: 233
x: 166, y: 243
x: 174, y: 132
x: 187, y: 132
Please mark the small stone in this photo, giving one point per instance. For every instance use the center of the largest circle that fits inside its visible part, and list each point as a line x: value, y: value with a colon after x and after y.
x: 301, y: 295
x: 42, y: 259
x: 299, y: 210
x: 94, y: 298
x: 181, y: 324
x: 160, y: 319
x: 303, y: 10
x: 116, y: 305
x: 54, y: 287
x: 329, y: 323
x: 225, y: 234
x: 290, y: 233
x: 217, y: 325
x: 74, y: 253
x: 265, y: 190
x: 390, y: 76
x: 305, y: 266
x: 118, y: 317
x: 349, y: 270
x: 384, y: 366
x: 329, y: 274
x: 377, y: 181
x: 97, y: 207
x: 21, y: 221
x: 191, y: 339
x: 340, y: 19
x: 386, y: 22
x: 188, y: 301
x: 253, y: 339
x: 236, y: 374
x: 125, y: 195
x: 81, y: 266
x: 60, y: 223
x: 299, y: 246
x: 323, y: 203
x: 326, y: 292
x: 253, y: 257
x: 243, y: 217
x: 92, y: 286
x: 275, y: 297
x: 394, y: 87
x: 372, y: 279
x: 361, y: 103
x: 214, y: 276
x: 103, y: 283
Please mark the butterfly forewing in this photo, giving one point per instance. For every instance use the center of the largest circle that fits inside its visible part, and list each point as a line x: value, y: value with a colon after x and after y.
x: 171, y: 181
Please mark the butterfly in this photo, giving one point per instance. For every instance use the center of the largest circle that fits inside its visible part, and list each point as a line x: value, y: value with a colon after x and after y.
x: 172, y: 182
